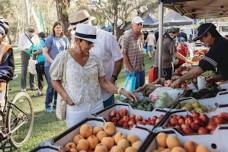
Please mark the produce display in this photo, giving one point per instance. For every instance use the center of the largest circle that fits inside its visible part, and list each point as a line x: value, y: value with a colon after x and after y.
x: 145, y: 104
x: 194, y: 105
x: 196, y: 123
x: 182, y: 70
x: 122, y: 118
x: 210, y: 91
x: 170, y: 143
x: 95, y: 139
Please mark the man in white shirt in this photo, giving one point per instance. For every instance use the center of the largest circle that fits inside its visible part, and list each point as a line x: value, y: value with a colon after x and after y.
x: 26, y: 40
x: 151, y: 41
x: 106, y: 48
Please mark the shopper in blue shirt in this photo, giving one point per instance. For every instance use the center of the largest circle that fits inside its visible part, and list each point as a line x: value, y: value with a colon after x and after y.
x: 55, y: 43
x: 38, y: 54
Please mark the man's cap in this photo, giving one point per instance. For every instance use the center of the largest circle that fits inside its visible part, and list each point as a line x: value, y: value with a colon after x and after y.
x: 79, y: 16
x: 137, y: 20
x: 203, y: 29
x: 86, y: 32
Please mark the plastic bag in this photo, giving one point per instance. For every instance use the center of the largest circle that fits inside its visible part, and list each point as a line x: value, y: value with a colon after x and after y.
x: 152, y: 74
x: 32, y: 66
x: 173, y: 93
x: 130, y: 82
x: 164, y: 101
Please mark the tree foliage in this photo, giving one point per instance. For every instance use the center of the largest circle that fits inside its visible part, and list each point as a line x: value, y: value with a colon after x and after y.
x: 118, y: 12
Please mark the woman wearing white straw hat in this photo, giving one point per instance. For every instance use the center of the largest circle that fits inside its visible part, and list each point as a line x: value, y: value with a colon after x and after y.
x: 106, y: 48
x: 83, y: 76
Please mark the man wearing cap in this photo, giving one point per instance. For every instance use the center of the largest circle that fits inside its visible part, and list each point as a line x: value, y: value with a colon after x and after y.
x: 215, y: 59
x: 133, y: 51
x: 78, y: 76
x: 105, y: 48
x: 26, y: 40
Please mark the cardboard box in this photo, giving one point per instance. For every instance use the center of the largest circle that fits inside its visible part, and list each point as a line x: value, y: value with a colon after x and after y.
x: 215, y: 143
x: 67, y: 136
x: 145, y: 114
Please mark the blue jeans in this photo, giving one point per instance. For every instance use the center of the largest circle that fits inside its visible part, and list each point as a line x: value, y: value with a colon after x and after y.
x: 108, y: 102
x: 50, y: 92
x: 140, y: 78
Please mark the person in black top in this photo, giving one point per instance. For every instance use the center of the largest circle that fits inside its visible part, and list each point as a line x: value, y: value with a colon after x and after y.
x: 216, y: 59
x: 182, y: 36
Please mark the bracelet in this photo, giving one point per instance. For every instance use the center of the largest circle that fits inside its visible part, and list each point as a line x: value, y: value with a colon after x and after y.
x: 114, y: 76
x: 119, y: 90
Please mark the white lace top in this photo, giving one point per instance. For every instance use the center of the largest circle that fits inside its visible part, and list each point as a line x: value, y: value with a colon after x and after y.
x: 81, y: 82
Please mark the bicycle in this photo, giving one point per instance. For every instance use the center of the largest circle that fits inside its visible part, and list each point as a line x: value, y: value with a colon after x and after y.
x: 16, y: 120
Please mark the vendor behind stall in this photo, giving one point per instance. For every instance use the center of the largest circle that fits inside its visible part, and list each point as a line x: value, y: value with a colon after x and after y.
x: 216, y: 59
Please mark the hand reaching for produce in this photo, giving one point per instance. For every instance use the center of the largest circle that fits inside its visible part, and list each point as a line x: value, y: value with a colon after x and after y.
x: 142, y: 88
x: 127, y: 94
x: 176, y: 84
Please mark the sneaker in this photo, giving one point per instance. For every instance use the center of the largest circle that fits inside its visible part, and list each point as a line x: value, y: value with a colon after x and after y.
x: 48, y: 110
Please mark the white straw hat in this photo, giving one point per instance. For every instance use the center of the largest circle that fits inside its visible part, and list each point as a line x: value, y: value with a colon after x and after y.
x: 86, y: 32
x: 79, y: 16
x: 137, y: 20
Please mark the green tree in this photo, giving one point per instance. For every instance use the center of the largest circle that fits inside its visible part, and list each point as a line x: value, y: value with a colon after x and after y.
x: 118, y: 12
x: 62, y: 7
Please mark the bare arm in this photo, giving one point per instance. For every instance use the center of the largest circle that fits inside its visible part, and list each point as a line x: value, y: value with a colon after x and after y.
x: 108, y: 86
x: 117, y: 68
x: 37, y: 52
x: 45, y: 52
x: 59, y: 88
x: 194, y: 72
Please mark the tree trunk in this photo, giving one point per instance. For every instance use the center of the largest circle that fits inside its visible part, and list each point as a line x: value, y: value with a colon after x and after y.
x: 62, y: 6
x: 27, y: 5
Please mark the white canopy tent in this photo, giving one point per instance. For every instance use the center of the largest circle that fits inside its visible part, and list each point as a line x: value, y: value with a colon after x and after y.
x: 194, y: 9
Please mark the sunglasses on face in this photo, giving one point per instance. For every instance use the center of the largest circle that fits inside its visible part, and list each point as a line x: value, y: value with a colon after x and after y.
x: 139, y: 24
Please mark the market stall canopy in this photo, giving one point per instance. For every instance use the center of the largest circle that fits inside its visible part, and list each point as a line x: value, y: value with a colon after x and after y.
x: 199, y: 8
x: 175, y: 19
x: 149, y: 20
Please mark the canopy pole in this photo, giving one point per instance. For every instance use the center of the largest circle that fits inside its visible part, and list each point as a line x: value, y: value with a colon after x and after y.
x: 160, y: 38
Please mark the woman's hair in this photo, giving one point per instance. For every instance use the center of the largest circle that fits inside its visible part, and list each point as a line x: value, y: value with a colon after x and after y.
x: 56, y: 24
x: 41, y: 35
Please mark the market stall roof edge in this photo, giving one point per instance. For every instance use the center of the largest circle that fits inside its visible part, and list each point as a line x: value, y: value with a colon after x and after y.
x: 198, y: 8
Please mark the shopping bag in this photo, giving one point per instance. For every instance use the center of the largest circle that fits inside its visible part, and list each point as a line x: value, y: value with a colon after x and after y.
x: 130, y: 82
x: 32, y: 66
x: 152, y: 74
x: 60, y: 108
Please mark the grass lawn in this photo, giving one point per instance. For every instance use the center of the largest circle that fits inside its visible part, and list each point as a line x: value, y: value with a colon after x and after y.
x: 46, y: 125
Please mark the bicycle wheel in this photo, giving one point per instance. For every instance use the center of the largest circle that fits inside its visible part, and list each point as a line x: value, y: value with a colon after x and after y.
x: 20, y: 119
